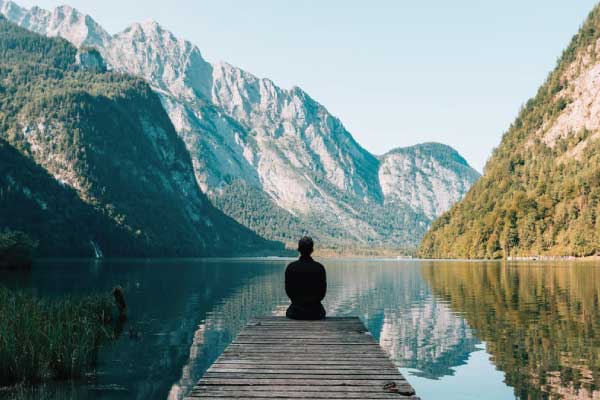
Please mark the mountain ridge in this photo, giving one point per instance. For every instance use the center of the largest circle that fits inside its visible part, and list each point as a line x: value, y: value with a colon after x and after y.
x: 241, y: 128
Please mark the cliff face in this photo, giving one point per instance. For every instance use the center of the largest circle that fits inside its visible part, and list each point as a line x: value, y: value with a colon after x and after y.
x: 106, y: 138
x: 274, y: 159
x: 541, y: 188
x: 430, y: 177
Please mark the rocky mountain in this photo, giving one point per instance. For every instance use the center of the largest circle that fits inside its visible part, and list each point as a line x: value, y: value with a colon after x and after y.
x: 91, y: 161
x: 540, y: 192
x: 430, y: 177
x: 273, y: 159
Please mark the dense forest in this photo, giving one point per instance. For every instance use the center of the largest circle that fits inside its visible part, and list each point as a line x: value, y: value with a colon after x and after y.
x: 538, y: 196
x: 91, y: 156
x: 253, y: 208
x: 538, y: 323
x: 33, y: 201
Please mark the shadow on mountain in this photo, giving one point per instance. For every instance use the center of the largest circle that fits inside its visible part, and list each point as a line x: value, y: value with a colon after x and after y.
x: 106, y: 136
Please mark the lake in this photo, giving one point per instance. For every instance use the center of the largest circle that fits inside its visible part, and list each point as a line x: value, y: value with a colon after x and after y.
x: 456, y: 330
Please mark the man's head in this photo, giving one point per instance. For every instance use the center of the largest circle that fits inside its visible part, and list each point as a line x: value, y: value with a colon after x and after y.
x: 305, y: 246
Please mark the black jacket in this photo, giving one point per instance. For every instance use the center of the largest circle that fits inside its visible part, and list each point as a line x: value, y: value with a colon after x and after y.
x: 305, y: 285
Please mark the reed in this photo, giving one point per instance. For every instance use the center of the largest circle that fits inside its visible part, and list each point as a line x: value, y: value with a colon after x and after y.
x: 43, y: 339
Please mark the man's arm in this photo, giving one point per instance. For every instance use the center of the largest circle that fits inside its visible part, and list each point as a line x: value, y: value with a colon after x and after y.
x: 290, y: 288
x: 322, y: 284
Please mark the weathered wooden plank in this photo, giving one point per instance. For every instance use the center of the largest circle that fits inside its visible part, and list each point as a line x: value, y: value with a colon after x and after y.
x: 257, y: 375
x: 306, y: 357
x: 316, y: 346
x: 295, y: 341
x: 323, y: 363
x: 275, y: 357
x: 287, y: 395
x: 290, y: 388
x: 301, y: 348
x: 300, y: 367
x: 304, y: 381
x: 270, y: 394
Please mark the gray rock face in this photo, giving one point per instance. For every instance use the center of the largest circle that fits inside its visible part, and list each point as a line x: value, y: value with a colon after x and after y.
x: 247, y: 135
x: 90, y: 59
x: 430, y: 177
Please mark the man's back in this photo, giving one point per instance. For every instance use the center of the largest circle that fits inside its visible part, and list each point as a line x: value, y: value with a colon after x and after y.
x: 305, y: 284
x: 305, y: 281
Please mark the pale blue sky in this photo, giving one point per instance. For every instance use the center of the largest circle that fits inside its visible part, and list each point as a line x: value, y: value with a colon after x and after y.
x: 395, y: 72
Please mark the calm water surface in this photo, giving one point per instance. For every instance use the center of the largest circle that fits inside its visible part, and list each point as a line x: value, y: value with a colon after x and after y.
x: 456, y: 330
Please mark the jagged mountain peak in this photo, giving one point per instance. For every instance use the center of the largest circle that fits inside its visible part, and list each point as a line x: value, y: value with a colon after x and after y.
x: 168, y: 63
x: 240, y: 91
x: 245, y: 81
x: 151, y: 30
x: 146, y: 49
x: 63, y: 21
x: 153, y: 25
x: 12, y: 10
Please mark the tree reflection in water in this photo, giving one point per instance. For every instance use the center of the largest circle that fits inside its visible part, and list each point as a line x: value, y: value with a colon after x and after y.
x: 541, y: 322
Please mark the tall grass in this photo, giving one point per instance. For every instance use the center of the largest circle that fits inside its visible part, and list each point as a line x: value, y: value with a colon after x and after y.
x: 43, y: 339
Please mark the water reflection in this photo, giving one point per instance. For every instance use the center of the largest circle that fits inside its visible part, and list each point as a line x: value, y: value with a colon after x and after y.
x: 392, y: 298
x: 258, y: 296
x: 394, y: 301
x: 168, y: 301
x: 540, y: 322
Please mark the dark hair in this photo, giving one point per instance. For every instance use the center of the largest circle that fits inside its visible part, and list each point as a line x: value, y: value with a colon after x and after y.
x: 305, y: 245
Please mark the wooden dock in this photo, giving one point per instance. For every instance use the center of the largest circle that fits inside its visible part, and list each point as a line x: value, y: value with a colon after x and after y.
x: 275, y: 357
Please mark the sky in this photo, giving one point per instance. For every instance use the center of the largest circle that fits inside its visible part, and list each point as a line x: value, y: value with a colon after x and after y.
x: 396, y: 73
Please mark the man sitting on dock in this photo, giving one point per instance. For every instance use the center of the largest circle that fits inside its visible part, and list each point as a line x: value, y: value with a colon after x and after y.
x: 305, y: 284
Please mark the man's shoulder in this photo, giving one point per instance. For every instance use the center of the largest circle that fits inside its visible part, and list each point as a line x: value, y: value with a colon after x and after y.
x: 306, y: 263
x: 315, y: 265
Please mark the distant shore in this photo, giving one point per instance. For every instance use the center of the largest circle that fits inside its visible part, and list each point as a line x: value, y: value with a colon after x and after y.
x: 554, y: 258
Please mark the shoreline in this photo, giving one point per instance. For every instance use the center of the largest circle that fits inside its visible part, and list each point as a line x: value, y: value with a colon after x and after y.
x: 326, y: 256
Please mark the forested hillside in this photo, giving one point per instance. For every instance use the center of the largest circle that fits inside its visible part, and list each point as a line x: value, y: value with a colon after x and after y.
x: 33, y: 201
x: 110, y: 166
x: 540, y: 190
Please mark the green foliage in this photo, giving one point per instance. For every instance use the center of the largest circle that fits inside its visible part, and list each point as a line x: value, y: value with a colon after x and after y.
x: 253, y: 208
x: 109, y: 135
x: 16, y: 249
x: 396, y: 226
x: 43, y: 339
x: 24, y: 47
x: 52, y: 213
x: 533, y: 199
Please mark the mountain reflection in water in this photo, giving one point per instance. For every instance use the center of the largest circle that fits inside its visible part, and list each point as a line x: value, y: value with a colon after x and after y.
x: 431, y: 317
